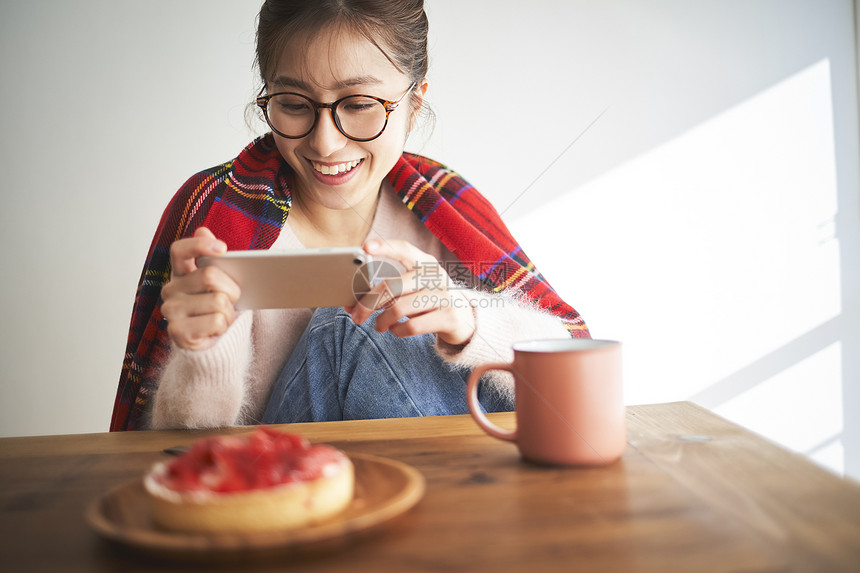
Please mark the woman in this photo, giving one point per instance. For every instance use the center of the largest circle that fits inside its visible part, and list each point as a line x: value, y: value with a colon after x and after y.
x: 344, y: 82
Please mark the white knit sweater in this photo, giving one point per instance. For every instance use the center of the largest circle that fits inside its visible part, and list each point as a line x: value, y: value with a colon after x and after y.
x: 229, y: 384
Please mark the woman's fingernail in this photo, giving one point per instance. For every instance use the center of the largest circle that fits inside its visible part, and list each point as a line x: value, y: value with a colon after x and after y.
x: 219, y: 247
x: 372, y: 245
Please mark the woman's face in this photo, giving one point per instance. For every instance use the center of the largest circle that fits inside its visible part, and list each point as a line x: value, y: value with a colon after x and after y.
x: 332, y: 67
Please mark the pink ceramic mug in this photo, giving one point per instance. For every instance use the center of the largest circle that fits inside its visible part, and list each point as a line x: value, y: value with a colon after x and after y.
x: 569, y: 403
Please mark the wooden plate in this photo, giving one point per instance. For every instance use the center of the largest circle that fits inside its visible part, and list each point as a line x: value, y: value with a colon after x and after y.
x: 384, y: 489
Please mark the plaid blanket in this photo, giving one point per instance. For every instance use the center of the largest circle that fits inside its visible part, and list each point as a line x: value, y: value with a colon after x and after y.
x: 245, y: 202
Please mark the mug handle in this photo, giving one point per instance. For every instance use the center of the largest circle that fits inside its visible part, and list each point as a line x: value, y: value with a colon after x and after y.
x: 475, y: 407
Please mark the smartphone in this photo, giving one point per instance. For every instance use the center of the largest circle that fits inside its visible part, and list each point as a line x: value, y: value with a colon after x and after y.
x: 304, y: 278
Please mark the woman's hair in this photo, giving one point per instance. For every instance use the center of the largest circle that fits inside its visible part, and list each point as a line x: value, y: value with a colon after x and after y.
x: 398, y: 28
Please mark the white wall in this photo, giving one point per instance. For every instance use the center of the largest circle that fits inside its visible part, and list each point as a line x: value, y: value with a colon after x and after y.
x: 708, y: 218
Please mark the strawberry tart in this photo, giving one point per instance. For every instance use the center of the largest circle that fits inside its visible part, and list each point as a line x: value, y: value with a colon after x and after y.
x: 265, y: 481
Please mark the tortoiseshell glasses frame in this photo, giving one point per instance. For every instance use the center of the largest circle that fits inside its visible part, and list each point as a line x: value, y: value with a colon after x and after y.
x: 365, y: 119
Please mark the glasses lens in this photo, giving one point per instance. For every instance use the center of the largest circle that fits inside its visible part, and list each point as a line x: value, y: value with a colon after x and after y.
x: 361, y: 117
x: 291, y: 114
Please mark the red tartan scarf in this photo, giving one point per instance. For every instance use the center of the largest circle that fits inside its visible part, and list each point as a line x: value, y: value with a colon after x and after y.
x: 245, y: 202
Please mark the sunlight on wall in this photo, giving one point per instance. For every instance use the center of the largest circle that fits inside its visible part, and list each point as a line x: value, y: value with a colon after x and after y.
x: 799, y: 407
x: 711, y: 252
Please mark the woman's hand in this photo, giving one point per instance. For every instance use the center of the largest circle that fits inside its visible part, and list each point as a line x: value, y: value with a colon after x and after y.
x: 424, y: 294
x: 197, y: 303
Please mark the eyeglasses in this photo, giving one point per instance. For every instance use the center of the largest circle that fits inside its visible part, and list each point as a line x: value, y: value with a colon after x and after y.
x: 357, y: 117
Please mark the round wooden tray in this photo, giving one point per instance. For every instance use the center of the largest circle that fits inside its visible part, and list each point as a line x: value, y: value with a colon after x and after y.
x: 384, y: 489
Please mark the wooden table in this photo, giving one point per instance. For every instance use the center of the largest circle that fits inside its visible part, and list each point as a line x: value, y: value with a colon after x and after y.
x: 692, y: 493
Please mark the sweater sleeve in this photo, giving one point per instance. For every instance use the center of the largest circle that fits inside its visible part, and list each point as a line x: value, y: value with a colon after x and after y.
x: 500, y: 321
x: 206, y: 388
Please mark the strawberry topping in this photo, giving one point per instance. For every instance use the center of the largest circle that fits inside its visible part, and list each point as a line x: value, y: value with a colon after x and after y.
x: 266, y: 458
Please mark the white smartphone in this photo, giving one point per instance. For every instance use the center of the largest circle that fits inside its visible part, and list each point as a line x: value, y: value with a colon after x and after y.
x: 305, y: 278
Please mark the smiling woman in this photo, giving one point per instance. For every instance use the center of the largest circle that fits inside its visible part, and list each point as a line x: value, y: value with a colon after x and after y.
x: 343, y: 85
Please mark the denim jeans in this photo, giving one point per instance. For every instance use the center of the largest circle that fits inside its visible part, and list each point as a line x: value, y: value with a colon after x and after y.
x: 343, y: 371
